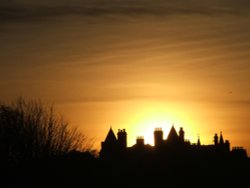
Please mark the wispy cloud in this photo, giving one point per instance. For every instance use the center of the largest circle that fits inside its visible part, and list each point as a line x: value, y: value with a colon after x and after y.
x: 35, y: 10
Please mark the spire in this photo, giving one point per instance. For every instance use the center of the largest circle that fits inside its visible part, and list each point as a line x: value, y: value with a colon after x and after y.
x: 198, y: 142
x: 221, y: 138
x: 110, y: 138
x: 172, y: 136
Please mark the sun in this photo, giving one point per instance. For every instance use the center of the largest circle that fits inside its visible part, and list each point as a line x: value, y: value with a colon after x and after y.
x: 147, y: 119
x: 147, y: 126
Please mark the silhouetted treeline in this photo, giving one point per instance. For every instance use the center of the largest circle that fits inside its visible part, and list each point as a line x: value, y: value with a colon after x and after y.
x: 30, y: 130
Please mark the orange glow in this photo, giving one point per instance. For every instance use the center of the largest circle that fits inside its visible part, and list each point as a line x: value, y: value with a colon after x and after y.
x: 136, y: 72
x: 150, y: 115
x: 141, y: 117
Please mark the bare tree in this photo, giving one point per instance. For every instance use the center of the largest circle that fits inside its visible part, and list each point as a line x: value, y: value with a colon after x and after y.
x: 29, y: 129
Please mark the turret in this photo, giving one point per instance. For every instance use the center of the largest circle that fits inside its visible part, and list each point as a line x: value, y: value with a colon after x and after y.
x: 122, y: 138
x: 215, y: 139
x: 181, y: 134
x: 158, y: 137
x: 110, y: 147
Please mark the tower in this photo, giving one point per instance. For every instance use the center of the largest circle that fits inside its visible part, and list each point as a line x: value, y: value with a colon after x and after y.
x: 109, y: 147
x: 158, y: 137
x: 215, y: 139
x: 122, y: 138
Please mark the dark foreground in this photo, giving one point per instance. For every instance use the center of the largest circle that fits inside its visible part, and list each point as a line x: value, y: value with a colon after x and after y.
x: 83, y: 170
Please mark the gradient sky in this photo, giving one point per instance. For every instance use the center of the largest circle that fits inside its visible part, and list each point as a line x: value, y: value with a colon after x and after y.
x: 133, y: 64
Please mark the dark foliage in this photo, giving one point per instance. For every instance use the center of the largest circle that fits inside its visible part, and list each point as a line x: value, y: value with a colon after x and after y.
x: 30, y: 130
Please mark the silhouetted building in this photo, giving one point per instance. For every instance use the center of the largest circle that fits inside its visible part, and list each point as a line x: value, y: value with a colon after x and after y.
x: 175, y: 145
x: 112, y: 147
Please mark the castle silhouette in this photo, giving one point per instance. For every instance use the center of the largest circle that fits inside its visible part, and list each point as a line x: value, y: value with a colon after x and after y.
x: 174, y: 146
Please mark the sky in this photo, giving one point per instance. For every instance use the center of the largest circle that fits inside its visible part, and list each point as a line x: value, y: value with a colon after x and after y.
x: 132, y: 64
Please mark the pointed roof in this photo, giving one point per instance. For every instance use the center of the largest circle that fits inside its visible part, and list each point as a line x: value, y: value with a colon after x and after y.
x: 221, y: 138
x: 110, y: 138
x: 172, y: 134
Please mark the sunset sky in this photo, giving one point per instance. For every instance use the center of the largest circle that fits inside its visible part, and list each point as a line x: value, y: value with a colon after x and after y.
x: 133, y: 64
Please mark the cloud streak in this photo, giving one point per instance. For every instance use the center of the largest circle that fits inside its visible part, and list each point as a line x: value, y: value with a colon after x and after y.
x: 34, y: 11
